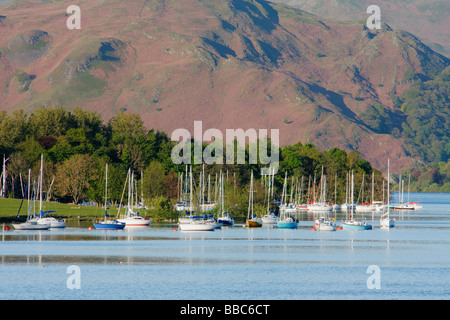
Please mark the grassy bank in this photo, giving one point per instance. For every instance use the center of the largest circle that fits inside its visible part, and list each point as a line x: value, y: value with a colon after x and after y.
x: 10, y: 207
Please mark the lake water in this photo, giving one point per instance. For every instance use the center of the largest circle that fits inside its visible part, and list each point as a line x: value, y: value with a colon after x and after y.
x: 237, y: 263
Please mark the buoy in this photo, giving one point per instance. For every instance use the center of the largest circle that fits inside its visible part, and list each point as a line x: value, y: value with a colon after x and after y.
x: 313, y: 229
x: 339, y: 228
x: 6, y: 228
x: 90, y: 228
x: 174, y: 229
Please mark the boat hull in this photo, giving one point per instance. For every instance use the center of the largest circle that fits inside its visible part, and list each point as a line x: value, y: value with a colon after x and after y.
x: 325, y: 227
x: 226, y: 222
x: 109, y: 226
x: 31, y: 226
x: 387, y: 223
x: 325, y: 224
x: 256, y: 223
x: 53, y: 222
x: 356, y: 226
x: 197, y: 226
x: 287, y: 225
x: 270, y: 219
x: 135, y: 222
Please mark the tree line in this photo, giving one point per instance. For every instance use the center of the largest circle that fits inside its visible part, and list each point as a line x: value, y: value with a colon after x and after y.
x: 78, y: 144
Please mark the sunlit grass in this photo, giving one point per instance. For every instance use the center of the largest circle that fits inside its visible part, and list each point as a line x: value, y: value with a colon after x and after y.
x: 10, y: 207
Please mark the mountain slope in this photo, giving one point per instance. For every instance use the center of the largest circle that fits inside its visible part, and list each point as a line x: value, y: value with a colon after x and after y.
x: 428, y: 19
x: 230, y: 63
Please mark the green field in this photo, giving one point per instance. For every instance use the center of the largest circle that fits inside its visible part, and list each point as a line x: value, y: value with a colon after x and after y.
x: 70, y: 212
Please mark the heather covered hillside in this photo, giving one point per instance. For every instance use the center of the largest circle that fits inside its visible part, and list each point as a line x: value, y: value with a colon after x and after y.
x: 231, y: 64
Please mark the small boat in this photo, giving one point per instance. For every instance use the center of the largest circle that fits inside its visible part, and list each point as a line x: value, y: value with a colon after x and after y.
x: 325, y: 224
x: 34, y: 223
x: 54, y: 223
x: 227, y: 220
x: 212, y: 219
x: 224, y: 219
x: 387, y: 222
x: 132, y: 218
x: 356, y: 225
x: 108, y: 224
x: 135, y: 221
x: 197, y: 224
x: 287, y: 222
x: 321, y: 205
x: 253, y: 221
x: 270, y: 218
x: 30, y: 225
x: 403, y: 206
x: 351, y: 223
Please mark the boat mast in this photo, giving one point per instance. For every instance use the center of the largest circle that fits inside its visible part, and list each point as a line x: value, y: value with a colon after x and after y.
x: 106, y: 188
x: 250, y: 199
x: 352, y: 190
x: 191, y: 199
x: 40, y: 184
x: 372, y: 185
x: 388, y: 195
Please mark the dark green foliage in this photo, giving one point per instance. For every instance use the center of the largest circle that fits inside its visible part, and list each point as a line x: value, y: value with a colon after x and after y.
x: 377, y: 118
x: 427, y: 126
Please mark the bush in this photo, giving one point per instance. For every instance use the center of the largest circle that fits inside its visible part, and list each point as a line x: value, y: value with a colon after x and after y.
x: 162, y: 209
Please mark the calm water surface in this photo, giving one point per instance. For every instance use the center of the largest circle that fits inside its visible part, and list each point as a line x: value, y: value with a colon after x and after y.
x: 235, y: 263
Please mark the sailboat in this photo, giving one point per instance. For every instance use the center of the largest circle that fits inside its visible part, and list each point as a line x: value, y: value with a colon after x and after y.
x: 385, y: 220
x: 108, y: 224
x: 335, y: 206
x: 29, y: 224
x: 194, y: 222
x: 184, y: 205
x: 132, y: 218
x: 405, y: 205
x: 224, y: 218
x: 41, y: 219
x: 321, y: 205
x: 351, y: 223
x: 366, y: 207
x: 286, y: 221
x: 270, y: 218
x: 324, y: 223
x: 253, y: 221
x: 347, y: 206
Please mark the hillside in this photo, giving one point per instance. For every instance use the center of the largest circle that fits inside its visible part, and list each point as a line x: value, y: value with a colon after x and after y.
x: 230, y: 63
x: 427, y: 19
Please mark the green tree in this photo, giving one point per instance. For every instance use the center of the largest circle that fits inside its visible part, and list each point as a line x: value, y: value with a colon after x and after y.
x: 50, y: 122
x: 74, y: 176
x: 162, y: 208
